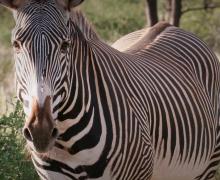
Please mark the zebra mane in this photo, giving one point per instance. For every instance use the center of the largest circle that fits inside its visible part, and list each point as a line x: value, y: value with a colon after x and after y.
x: 80, y: 20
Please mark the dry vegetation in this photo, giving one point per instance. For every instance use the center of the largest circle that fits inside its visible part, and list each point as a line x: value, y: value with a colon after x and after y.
x: 7, y: 85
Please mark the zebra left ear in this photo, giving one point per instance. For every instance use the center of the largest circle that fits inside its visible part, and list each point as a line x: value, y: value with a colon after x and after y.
x: 12, y: 4
x: 68, y: 4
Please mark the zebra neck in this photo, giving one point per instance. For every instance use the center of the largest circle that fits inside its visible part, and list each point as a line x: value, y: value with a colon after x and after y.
x: 85, y: 124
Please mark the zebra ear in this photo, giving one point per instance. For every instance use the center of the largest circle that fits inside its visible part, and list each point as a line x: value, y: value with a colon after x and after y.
x: 74, y: 3
x: 68, y: 4
x: 12, y: 4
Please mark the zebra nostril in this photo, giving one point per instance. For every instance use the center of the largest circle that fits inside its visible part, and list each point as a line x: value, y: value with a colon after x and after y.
x: 54, y: 133
x: 27, y: 134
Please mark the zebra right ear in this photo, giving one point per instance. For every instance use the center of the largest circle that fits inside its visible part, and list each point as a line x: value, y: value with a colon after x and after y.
x: 74, y: 3
x: 12, y: 4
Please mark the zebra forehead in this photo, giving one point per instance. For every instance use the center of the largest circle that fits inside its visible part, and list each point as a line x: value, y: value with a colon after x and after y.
x: 39, y: 10
x: 40, y: 19
x: 35, y: 32
x: 42, y: 1
x: 47, y: 10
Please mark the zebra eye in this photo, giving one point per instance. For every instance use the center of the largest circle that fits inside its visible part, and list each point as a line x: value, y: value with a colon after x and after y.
x: 17, y: 46
x: 64, y: 47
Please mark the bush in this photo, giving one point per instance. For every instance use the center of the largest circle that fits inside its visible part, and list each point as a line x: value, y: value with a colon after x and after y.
x: 15, y: 164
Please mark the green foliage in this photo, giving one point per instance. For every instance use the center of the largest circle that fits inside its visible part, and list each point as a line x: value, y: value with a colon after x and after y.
x: 15, y: 165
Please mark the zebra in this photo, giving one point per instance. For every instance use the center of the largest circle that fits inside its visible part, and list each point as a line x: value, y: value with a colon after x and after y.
x: 150, y: 111
x: 127, y: 42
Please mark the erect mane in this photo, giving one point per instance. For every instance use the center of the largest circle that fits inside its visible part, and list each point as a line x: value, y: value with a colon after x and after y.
x: 80, y: 20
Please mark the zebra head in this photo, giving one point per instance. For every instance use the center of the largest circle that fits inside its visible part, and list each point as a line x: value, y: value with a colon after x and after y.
x: 41, y: 40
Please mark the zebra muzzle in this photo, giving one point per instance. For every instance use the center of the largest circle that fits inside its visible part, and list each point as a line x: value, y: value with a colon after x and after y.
x: 39, y: 129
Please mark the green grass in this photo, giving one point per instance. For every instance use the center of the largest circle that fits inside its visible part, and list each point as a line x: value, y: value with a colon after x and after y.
x: 112, y: 19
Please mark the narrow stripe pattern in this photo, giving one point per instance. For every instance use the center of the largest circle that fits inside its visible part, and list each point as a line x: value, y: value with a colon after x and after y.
x: 151, y: 114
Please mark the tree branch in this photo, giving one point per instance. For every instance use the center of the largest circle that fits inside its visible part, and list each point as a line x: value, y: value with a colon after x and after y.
x: 151, y: 12
x: 176, y: 6
x: 209, y: 6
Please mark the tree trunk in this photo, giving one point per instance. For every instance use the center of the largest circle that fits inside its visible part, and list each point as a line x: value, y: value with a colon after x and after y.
x: 168, y: 10
x: 151, y: 11
x: 176, y: 12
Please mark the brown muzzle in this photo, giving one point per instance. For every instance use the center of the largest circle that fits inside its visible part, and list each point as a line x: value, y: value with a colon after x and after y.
x: 40, y: 127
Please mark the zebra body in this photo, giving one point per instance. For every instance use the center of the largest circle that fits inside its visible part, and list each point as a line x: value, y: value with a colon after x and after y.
x: 151, y: 112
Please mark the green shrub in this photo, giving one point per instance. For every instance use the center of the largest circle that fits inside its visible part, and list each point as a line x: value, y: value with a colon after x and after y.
x: 14, y: 162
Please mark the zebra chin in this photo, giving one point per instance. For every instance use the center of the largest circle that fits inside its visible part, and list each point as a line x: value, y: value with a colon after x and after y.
x: 40, y: 130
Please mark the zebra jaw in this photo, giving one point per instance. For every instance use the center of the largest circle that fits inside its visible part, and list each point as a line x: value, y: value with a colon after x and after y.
x: 39, y: 130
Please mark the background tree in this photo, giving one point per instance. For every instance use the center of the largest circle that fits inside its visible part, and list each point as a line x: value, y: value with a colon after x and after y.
x: 175, y: 9
x: 151, y: 11
x: 176, y: 12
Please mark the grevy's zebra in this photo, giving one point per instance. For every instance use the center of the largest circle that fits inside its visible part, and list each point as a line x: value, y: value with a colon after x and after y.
x: 97, y: 113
